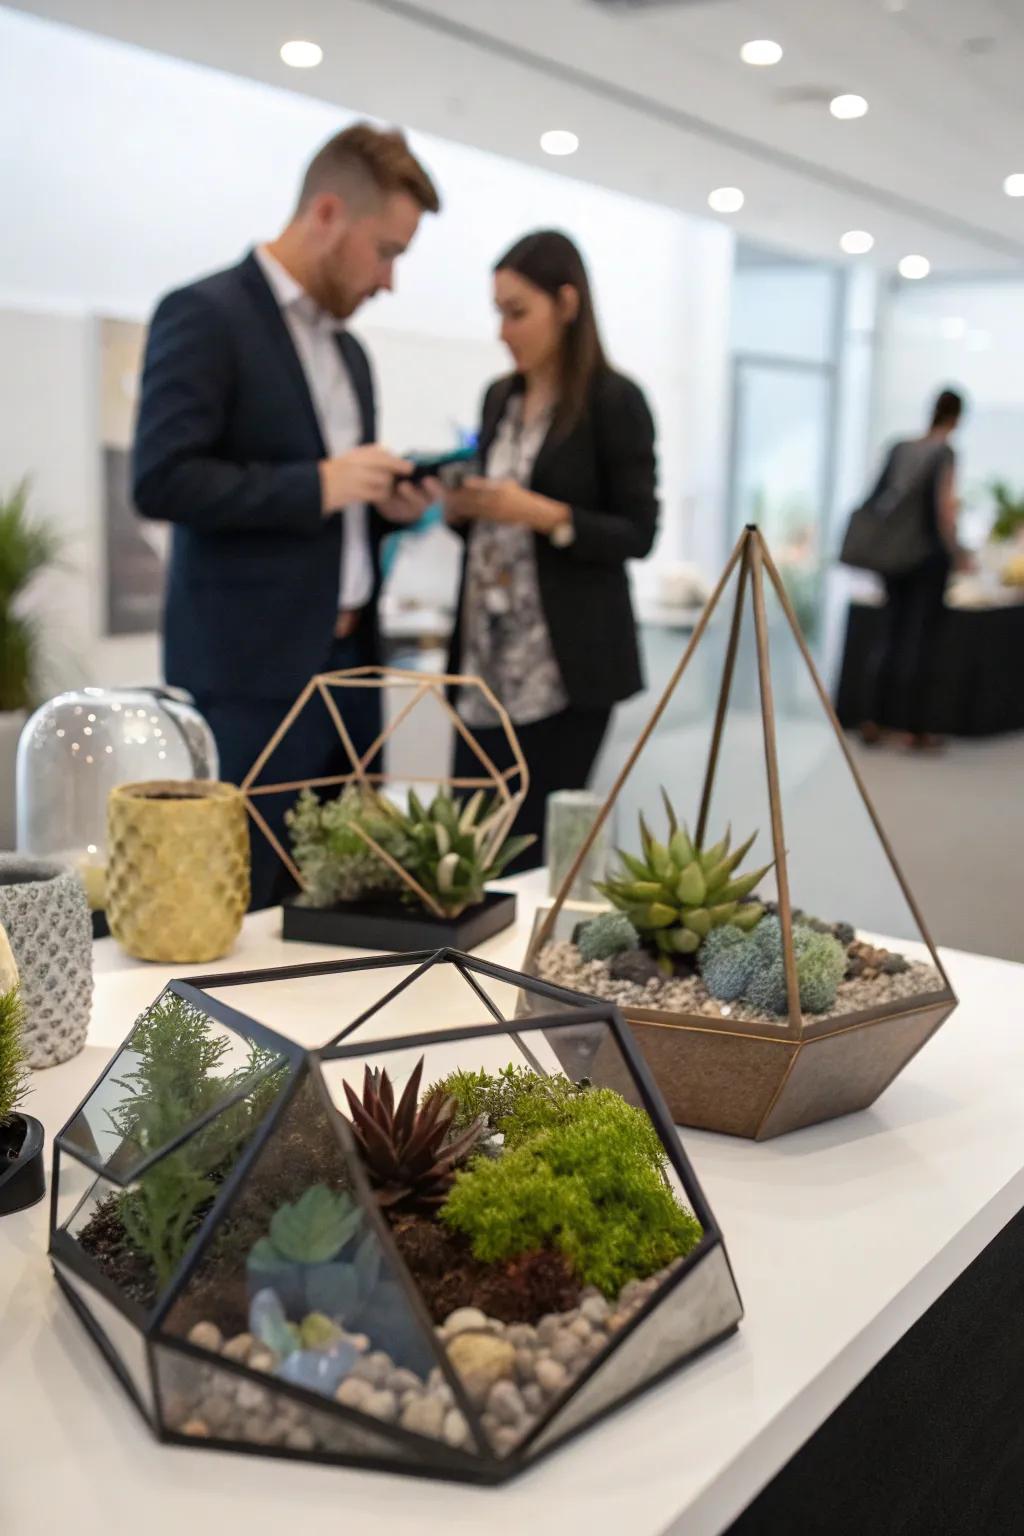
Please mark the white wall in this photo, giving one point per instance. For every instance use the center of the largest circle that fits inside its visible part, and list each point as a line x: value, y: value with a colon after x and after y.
x: 129, y: 173
x: 968, y: 335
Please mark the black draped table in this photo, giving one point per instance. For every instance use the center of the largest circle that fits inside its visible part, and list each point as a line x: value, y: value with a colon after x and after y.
x: 978, y: 670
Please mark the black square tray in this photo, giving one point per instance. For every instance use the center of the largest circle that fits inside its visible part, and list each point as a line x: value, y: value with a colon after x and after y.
x: 384, y: 925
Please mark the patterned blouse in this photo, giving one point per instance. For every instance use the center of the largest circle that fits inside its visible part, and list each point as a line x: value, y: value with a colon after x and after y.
x: 505, y: 639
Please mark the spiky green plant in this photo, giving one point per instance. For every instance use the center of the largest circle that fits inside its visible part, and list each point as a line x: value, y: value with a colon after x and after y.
x: 27, y: 547
x: 174, y: 1082
x: 13, y: 1066
x: 450, y: 848
x: 678, y: 891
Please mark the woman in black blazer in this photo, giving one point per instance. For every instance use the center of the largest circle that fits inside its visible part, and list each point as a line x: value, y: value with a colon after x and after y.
x: 566, y: 497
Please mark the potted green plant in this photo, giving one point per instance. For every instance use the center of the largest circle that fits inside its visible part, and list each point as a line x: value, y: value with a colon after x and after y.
x: 22, y: 1177
x: 27, y: 547
x: 379, y: 876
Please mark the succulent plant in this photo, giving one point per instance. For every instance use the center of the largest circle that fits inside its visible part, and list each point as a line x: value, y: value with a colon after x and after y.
x: 449, y: 847
x: 334, y: 859
x: 678, y: 892
x: 408, y: 1150
x: 725, y: 960
x: 610, y: 934
x: 312, y: 1230
x: 751, y: 967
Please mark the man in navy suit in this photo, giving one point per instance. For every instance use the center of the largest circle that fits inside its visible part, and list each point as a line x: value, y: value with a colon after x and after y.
x: 256, y: 439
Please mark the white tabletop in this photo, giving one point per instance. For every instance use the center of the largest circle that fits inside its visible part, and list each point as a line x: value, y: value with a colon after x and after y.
x: 841, y: 1236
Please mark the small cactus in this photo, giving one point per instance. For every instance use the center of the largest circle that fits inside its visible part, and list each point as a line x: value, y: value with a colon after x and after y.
x: 726, y: 959
x: 751, y: 967
x: 610, y: 934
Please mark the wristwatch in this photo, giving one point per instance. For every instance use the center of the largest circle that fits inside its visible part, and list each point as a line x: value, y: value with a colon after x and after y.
x: 563, y: 535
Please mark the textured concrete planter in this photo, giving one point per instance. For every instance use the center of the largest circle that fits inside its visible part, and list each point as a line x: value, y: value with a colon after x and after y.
x: 178, y: 870
x: 44, y: 910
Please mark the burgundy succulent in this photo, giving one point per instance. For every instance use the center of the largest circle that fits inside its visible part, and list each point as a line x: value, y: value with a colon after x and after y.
x: 408, y: 1151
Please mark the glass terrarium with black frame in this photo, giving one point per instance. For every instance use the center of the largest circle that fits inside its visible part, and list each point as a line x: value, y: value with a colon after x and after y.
x: 440, y: 1251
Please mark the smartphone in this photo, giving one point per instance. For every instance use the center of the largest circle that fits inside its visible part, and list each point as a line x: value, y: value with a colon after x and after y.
x: 450, y: 468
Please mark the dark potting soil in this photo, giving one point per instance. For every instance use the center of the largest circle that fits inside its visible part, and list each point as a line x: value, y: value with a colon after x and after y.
x: 519, y: 1290
x: 103, y: 1239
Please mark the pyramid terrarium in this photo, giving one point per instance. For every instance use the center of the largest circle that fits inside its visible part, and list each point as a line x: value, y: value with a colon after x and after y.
x: 390, y: 856
x: 744, y: 936
x: 440, y: 1252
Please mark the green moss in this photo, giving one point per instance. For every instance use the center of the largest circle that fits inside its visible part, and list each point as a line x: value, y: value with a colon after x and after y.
x: 13, y: 1067
x: 584, y: 1176
x: 514, y: 1094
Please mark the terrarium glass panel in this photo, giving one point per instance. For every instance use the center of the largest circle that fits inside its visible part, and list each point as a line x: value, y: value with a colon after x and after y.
x: 297, y: 1282
x: 753, y: 891
x: 205, y: 1402
x: 178, y: 1068
x: 125, y: 1341
x: 700, y: 1305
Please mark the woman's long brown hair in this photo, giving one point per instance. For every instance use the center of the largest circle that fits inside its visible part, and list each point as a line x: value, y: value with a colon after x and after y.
x: 550, y: 261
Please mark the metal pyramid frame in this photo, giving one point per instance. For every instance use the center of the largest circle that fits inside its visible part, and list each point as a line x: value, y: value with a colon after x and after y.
x: 744, y: 1077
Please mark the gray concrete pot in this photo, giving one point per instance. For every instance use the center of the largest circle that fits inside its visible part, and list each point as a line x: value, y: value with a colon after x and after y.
x: 44, y: 910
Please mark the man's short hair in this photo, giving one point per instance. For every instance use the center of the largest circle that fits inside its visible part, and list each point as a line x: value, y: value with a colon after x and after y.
x: 363, y: 164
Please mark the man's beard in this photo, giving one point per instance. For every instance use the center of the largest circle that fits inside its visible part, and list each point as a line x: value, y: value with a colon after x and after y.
x: 332, y: 293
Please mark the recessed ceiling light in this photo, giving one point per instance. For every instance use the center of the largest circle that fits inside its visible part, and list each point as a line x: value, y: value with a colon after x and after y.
x: 953, y: 327
x: 1013, y: 186
x: 761, y: 51
x: 848, y: 106
x: 857, y: 242
x: 726, y: 200
x: 559, y: 141
x: 301, y: 55
x: 915, y: 267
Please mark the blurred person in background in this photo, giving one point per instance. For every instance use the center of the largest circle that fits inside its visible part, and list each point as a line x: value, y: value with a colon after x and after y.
x: 565, y: 497
x: 902, y: 678
x: 256, y: 439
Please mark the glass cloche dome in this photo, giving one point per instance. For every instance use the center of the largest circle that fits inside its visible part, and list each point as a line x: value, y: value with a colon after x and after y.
x: 79, y: 745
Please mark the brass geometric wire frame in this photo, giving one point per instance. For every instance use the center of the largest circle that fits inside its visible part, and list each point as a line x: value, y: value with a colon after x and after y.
x: 739, y: 1076
x: 421, y: 685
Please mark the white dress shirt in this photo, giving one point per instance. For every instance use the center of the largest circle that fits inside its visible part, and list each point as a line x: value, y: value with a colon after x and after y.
x: 314, y: 333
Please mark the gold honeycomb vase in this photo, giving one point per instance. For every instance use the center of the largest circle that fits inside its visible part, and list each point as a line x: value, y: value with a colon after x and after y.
x: 178, y: 871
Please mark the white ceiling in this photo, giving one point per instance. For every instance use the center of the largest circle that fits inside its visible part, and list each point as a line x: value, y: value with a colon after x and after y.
x: 663, y: 106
